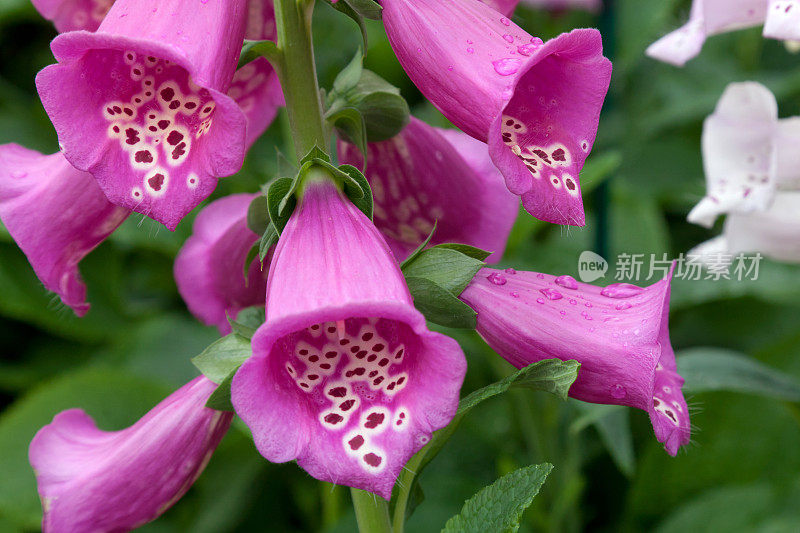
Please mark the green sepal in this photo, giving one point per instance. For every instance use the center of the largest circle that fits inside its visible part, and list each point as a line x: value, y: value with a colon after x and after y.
x: 499, y: 506
x: 345, y: 9
x: 466, y: 249
x: 248, y: 260
x: 410, y: 259
x: 280, y: 211
x: 448, y: 268
x: 366, y: 8
x: 315, y: 153
x: 351, y: 126
x: 223, y: 356
x: 439, y: 305
x: 257, y: 215
x: 247, y: 321
x: 254, y: 49
x: 358, y: 190
x: 350, y: 75
x: 266, y: 242
x: 220, y: 399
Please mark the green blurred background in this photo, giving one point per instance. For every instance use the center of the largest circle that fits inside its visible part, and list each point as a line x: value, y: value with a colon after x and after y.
x: 742, y: 472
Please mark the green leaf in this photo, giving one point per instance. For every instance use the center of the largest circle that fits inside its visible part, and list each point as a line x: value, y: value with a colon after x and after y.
x: 257, y: 215
x: 366, y: 8
x: 114, y: 398
x: 269, y: 238
x: 466, y: 249
x: 450, y: 269
x: 223, y: 357
x: 499, y: 506
x: 249, y: 258
x: 612, y: 423
x: 220, y: 399
x: 247, y: 321
x: 358, y: 190
x: 351, y: 127
x: 254, y: 49
x: 439, y: 305
x: 350, y: 75
x: 716, y: 369
x: 278, y: 191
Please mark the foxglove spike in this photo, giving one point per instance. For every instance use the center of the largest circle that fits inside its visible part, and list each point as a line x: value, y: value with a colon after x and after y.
x: 93, y: 480
x: 57, y: 215
x: 536, y: 104
x: 209, y: 267
x: 345, y: 377
x: 426, y: 175
x: 619, y: 334
x: 781, y: 19
x: 141, y: 103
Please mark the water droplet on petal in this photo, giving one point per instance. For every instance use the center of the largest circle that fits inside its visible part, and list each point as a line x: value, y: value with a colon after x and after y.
x: 623, y: 306
x: 510, y: 271
x: 507, y: 66
x: 505, y: 21
x: 515, y: 295
x: 621, y: 290
x: 539, y: 276
x: 540, y: 300
x: 618, y: 392
x: 497, y: 278
x: 568, y: 282
x: 508, y: 38
x: 551, y: 294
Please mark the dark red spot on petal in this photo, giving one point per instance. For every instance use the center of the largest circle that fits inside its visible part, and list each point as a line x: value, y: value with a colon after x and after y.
x: 167, y: 94
x: 175, y: 104
x: 383, y: 362
x: 156, y: 182
x: 333, y: 418
x: 174, y: 137
x: 378, y: 380
x: 378, y: 347
x: 143, y: 156
x: 313, y: 358
x: 132, y: 136
x: 373, y: 460
x: 331, y: 354
x: 356, y: 442
x: 366, y: 336
x: 164, y: 124
x: 346, y: 406
x: 559, y: 155
x: 374, y: 420
x: 190, y: 105
x: 338, y: 392
x: 313, y: 377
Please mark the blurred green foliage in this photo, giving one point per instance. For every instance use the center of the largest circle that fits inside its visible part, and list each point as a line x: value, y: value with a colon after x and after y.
x: 742, y: 473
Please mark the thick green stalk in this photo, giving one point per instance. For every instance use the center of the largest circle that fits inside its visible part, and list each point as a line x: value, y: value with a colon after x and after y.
x: 372, y: 513
x: 298, y: 75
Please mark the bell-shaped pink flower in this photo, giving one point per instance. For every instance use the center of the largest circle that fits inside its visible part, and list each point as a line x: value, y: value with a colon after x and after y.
x: 209, y: 269
x: 93, y: 480
x: 619, y: 334
x: 141, y: 103
x: 255, y: 86
x: 56, y: 215
x: 536, y: 104
x: 781, y: 20
x: 345, y: 377
x: 425, y: 175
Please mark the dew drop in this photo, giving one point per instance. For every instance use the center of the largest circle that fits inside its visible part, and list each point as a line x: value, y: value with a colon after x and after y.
x: 568, y: 282
x: 621, y: 290
x: 551, y: 294
x: 623, y: 306
x: 508, y: 38
x: 505, y: 21
x: 497, y: 278
x: 510, y: 271
x: 540, y: 300
x: 507, y: 66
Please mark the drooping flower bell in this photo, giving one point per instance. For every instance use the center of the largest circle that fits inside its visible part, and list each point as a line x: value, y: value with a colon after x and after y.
x: 56, y: 215
x: 781, y: 19
x: 747, y: 152
x: 141, y: 103
x: 619, y: 334
x: 94, y: 480
x: 425, y: 175
x: 345, y: 377
x: 209, y: 268
x: 537, y: 105
x: 774, y: 232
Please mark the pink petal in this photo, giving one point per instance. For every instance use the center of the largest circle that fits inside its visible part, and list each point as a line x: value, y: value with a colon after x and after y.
x: 783, y: 20
x: 69, y: 15
x: 345, y: 376
x: 209, y: 267
x: 140, y: 103
x: 57, y: 215
x: 425, y: 175
x: 94, y: 480
x: 619, y: 334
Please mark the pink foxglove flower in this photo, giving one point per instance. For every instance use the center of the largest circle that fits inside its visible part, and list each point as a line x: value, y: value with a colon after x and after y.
x: 774, y: 232
x: 209, y: 269
x: 619, y: 334
x: 71, y: 15
x: 589, y: 5
x: 94, y: 480
x: 141, y: 103
x: 747, y: 152
x: 424, y: 175
x: 345, y: 377
x: 536, y: 104
x: 57, y: 215
x: 781, y: 19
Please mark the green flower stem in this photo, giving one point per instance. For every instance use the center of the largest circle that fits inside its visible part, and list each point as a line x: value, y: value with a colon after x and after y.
x: 298, y: 75
x: 372, y: 512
